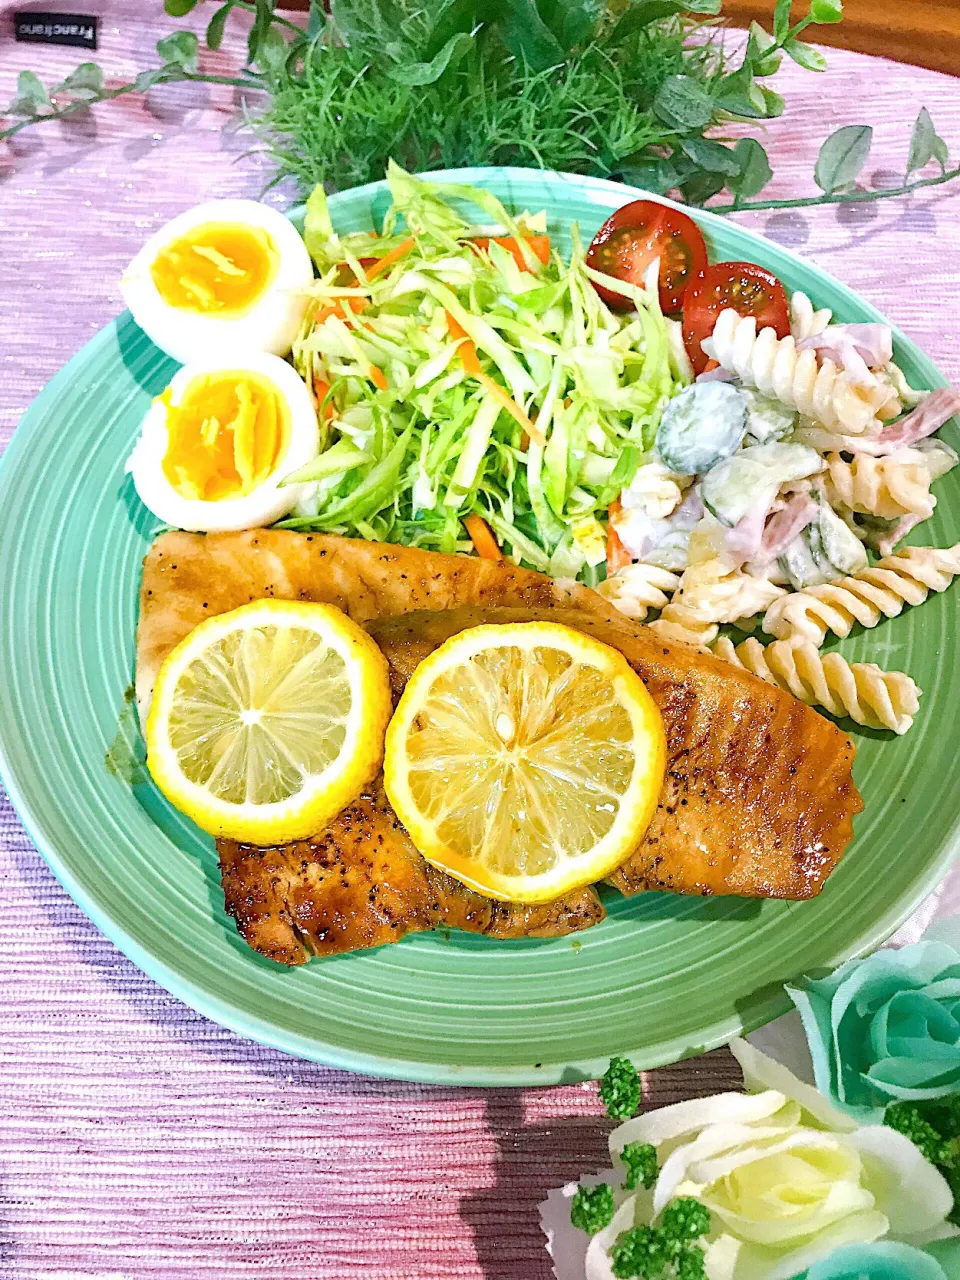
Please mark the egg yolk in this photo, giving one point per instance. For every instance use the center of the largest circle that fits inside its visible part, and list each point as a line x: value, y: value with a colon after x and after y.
x: 226, y: 436
x: 216, y: 268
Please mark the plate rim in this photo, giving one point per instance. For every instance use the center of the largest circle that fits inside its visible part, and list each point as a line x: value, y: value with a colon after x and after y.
x: 254, y: 1027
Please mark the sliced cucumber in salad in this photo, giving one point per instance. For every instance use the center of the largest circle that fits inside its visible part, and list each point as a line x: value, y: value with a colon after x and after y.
x: 767, y: 419
x: 938, y: 455
x: 738, y: 484
x: 826, y: 550
x: 841, y: 546
x: 799, y: 565
x: 702, y: 425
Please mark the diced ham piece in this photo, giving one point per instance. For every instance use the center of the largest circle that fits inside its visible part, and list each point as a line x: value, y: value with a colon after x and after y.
x: 744, y: 540
x: 719, y: 374
x: 690, y: 509
x: 784, y: 525
x: 856, y: 348
x: 873, y: 341
x: 921, y: 422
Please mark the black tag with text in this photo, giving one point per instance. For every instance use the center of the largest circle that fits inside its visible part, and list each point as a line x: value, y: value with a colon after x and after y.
x: 56, y: 28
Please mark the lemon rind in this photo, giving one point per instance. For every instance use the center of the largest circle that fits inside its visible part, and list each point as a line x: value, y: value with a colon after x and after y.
x: 642, y: 791
x: 340, y: 783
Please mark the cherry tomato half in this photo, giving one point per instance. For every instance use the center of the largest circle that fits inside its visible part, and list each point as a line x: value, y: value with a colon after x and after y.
x: 749, y: 289
x: 634, y: 236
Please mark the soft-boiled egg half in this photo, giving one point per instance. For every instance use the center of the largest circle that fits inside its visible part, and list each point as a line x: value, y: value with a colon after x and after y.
x: 229, y: 275
x: 216, y: 445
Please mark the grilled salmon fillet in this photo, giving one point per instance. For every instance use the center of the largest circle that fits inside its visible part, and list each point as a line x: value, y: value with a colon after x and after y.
x: 758, y: 797
x: 362, y: 883
x: 188, y: 577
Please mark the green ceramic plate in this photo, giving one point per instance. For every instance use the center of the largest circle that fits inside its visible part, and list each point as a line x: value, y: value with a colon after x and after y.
x: 662, y: 978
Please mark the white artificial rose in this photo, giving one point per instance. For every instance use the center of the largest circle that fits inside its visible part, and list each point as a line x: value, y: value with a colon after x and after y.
x: 787, y: 1178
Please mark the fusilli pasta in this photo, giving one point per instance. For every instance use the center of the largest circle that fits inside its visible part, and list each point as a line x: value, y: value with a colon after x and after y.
x: 638, y: 588
x: 797, y: 379
x: 655, y: 490
x: 805, y: 322
x: 890, y: 487
x: 861, y: 690
x: 710, y: 591
x: 825, y: 441
x: 675, y: 623
x: 879, y: 591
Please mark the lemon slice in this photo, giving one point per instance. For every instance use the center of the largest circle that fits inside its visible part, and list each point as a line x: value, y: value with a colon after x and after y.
x: 267, y: 720
x: 525, y: 759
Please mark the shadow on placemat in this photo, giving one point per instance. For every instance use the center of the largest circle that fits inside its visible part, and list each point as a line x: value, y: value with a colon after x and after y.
x: 532, y: 1159
x: 7, y: 1242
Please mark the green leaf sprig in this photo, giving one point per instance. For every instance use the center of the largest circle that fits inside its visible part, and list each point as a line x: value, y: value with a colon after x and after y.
x: 621, y: 1089
x: 841, y: 160
x: 591, y: 1208
x: 636, y: 90
x: 640, y: 1161
x: 668, y: 1251
x: 86, y: 86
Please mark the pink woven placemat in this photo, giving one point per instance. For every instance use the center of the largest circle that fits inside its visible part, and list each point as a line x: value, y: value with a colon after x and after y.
x: 137, y: 1138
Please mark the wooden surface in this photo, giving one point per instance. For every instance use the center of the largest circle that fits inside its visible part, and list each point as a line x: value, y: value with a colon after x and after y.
x: 924, y: 32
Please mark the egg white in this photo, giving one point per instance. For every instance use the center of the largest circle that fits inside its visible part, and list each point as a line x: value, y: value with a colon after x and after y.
x: 271, y: 324
x: 266, y: 503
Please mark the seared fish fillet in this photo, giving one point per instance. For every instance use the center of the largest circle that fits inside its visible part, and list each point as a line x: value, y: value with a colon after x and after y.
x: 188, y: 577
x: 362, y: 883
x: 758, y: 798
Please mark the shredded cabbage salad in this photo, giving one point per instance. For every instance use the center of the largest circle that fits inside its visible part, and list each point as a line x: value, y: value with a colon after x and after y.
x: 463, y: 371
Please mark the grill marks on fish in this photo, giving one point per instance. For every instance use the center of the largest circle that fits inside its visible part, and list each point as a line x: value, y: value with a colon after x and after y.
x: 758, y: 798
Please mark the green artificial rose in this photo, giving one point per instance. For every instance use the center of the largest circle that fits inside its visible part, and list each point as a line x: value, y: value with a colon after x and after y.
x: 885, y: 1029
x: 883, y: 1261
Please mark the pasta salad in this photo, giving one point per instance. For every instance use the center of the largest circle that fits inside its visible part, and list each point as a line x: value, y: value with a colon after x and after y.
x: 784, y: 476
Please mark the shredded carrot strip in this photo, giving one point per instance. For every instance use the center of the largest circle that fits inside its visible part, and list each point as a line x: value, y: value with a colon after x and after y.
x: 618, y: 557
x: 457, y: 331
x: 471, y: 362
x: 481, y: 535
x: 511, y: 406
x: 470, y: 358
x: 378, y: 378
x: 539, y: 244
x: 337, y: 308
x: 711, y: 364
x: 468, y: 352
x: 390, y: 258
x: 321, y: 390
